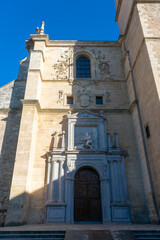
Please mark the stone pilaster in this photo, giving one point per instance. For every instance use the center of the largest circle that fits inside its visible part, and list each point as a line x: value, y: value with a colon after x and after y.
x: 20, y: 188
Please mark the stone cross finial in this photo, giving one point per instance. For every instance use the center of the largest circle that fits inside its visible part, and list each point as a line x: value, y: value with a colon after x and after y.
x: 42, y: 28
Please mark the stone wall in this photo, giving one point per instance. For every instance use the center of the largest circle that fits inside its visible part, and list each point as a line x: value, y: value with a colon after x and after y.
x: 10, y: 117
x: 143, y: 43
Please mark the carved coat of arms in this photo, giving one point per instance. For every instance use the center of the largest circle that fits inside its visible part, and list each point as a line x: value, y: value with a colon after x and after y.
x: 84, y: 98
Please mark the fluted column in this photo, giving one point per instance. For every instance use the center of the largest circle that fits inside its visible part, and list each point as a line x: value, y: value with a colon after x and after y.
x: 118, y: 180
x: 113, y: 182
x: 49, y: 179
x: 109, y: 144
x: 125, y: 196
x: 60, y: 181
x: 54, y: 181
x: 63, y: 140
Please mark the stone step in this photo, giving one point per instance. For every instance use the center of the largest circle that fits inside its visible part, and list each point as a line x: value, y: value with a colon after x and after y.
x: 147, y: 235
x: 88, y: 235
x: 99, y: 235
x: 52, y: 235
x: 33, y: 232
x: 123, y: 235
x: 10, y: 238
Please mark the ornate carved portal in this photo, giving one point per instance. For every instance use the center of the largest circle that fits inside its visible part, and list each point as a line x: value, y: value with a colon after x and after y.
x: 86, y: 180
x: 87, y: 200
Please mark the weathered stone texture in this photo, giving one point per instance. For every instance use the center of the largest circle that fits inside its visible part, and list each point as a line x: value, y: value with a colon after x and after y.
x: 143, y: 44
x: 9, y: 130
x: 11, y: 94
x: 150, y: 18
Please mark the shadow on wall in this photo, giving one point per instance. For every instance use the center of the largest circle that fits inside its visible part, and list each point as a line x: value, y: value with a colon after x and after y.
x: 34, y: 212
x: 12, y: 112
x: 30, y: 208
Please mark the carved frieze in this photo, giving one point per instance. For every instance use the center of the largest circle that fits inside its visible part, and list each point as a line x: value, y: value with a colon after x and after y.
x: 86, y: 83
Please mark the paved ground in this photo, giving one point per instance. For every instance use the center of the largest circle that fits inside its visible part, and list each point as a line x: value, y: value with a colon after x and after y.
x: 111, y: 227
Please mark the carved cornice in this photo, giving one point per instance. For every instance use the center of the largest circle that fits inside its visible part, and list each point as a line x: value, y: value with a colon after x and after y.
x: 91, y: 81
x: 95, y: 110
x: 68, y: 43
x: 76, y: 43
x: 38, y: 37
x: 30, y: 102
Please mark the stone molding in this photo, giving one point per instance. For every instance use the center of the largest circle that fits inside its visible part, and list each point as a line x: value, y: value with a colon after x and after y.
x: 73, y: 43
x: 31, y: 103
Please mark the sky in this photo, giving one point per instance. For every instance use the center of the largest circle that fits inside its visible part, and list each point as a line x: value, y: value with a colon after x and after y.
x: 64, y: 20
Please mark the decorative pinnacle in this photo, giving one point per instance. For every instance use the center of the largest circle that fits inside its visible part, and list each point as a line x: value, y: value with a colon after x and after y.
x: 42, y: 28
x: 37, y: 30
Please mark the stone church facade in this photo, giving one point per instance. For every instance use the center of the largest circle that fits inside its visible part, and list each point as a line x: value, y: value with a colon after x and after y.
x: 80, y: 129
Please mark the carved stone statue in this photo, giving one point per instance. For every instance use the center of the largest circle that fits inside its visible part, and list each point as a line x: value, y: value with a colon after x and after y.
x: 88, y: 141
x: 42, y: 28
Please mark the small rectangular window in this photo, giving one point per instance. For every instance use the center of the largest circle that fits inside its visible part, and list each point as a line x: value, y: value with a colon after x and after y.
x: 99, y: 100
x: 147, y: 132
x: 69, y: 99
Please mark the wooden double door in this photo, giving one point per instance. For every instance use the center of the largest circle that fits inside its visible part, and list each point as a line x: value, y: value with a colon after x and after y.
x: 87, y: 198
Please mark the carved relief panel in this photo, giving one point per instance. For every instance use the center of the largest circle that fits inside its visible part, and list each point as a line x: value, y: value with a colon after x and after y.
x: 86, y: 131
x: 86, y: 138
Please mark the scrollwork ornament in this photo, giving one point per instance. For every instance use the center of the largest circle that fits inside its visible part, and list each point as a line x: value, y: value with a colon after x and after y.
x: 104, y: 67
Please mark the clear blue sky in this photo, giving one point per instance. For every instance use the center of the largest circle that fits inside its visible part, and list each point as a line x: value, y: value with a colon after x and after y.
x: 64, y: 20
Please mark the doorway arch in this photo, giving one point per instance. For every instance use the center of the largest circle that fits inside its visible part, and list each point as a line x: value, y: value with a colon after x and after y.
x: 87, y: 197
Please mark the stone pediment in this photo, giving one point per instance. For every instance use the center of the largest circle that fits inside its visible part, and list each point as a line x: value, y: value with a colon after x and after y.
x: 86, y: 115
